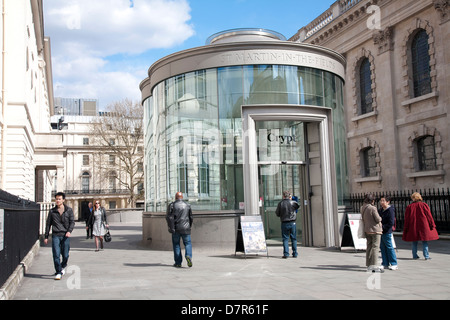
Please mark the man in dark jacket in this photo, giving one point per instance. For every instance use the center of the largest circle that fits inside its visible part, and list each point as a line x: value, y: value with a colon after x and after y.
x: 179, y: 220
x: 62, y: 221
x: 286, y: 210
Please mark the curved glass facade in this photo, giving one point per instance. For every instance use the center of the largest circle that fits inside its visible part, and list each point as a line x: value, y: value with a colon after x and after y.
x: 193, y: 137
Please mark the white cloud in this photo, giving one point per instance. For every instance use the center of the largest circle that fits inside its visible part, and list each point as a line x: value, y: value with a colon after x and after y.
x: 86, y: 34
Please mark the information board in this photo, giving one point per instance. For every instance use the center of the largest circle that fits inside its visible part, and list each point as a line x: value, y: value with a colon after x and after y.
x: 354, y: 223
x: 354, y: 220
x: 251, y: 236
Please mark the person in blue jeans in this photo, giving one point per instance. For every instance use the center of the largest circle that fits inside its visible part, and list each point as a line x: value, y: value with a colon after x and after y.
x: 387, y: 213
x: 287, y: 211
x: 179, y: 221
x: 62, y: 221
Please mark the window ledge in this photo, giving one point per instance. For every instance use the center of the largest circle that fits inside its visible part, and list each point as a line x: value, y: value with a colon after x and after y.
x: 365, y: 115
x: 430, y: 173
x: 368, y: 179
x: 408, y: 103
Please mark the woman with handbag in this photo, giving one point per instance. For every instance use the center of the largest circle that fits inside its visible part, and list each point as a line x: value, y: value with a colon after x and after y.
x: 100, y: 224
x: 373, y: 230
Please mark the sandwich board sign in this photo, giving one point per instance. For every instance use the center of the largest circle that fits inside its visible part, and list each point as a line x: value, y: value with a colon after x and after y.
x: 250, y: 236
x: 354, y: 220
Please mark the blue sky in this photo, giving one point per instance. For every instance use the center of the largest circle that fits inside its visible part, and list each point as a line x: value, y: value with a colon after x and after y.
x: 102, y: 49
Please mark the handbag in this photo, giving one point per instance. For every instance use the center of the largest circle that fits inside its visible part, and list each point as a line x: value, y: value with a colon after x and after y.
x: 107, y: 236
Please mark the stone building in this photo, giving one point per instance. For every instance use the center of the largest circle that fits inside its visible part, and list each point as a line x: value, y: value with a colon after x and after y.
x: 90, y: 172
x: 396, y: 93
x: 26, y: 102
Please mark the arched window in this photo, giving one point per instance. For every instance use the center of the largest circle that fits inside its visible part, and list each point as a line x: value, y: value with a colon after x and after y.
x: 421, y: 64
x: 365, y: 83
x: 368, y: 162
x: 425, y: 153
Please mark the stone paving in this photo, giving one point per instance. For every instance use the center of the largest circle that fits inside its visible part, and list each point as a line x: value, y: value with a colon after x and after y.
x: 126, y: 270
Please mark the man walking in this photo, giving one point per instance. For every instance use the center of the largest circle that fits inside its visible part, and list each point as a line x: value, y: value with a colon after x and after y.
x: 62, y: 220
x: 286, y: 210
x: 89, y: 221
x: 179, y: 220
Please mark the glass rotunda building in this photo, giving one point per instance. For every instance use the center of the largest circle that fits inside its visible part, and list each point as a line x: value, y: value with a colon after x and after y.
x: 234, y: 123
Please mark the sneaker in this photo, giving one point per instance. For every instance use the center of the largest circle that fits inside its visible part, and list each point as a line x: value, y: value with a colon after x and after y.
x: 393, y: 267
x: 63, y: 271
x: 375, y: 269
x: 58, y: 276
x: 177, y: 265
x: 189, y: 261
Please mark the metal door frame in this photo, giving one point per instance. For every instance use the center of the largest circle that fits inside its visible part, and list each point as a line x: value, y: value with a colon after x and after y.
x: 305, y: 205
x: 321, y: 115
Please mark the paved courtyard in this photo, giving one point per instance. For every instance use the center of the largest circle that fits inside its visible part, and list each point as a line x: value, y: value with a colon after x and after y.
x: 127, y: 270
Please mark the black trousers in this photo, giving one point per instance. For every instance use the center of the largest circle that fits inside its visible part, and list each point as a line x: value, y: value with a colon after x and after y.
x: 89, y: 231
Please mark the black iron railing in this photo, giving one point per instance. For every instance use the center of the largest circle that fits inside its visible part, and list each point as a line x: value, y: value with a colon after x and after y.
x: 94, y: 191
x: 20, y: 231
x: 437, y: 199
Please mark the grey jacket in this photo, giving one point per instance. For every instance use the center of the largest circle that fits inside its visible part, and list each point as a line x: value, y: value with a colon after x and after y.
x: 179, y: 217
x: 371, y: 219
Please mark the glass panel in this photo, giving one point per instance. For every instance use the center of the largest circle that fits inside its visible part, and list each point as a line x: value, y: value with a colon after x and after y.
x: 281, y: 178
x: 192, y: 162
x: 230, y: 97
x: 334, y: 99
x: 204, y: 108
x: 280, y: 141
x: 311, y: 86
x: 270, y: 84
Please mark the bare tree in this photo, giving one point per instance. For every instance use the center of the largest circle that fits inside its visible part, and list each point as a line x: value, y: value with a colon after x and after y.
x: 118, y: 132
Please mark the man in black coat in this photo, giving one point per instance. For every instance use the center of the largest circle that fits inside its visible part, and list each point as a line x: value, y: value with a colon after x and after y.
x: 61, y: 220
x: 287, y: 211
x: 179, y: 220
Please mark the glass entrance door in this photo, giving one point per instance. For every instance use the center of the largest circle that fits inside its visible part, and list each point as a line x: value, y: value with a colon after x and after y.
x: 274, y: 178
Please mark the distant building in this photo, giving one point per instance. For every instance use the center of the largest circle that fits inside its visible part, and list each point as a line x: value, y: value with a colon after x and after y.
x: 76, y: 107
x: 89, y: 172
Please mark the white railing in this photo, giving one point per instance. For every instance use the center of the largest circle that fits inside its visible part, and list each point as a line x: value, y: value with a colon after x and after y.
x: 319, y: 23
x: 336, y: 9
x: 345, y: 5
x: 45, y: 208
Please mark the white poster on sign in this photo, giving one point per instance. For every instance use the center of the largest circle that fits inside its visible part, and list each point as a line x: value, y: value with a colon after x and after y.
x: 253, y: 235
x: 354, y: 222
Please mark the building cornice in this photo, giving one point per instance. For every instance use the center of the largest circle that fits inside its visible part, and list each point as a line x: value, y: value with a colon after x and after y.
x: 358, y: 17
x: 243, y: 53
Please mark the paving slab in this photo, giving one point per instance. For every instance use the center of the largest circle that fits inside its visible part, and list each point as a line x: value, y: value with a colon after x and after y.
x: 127, y: 270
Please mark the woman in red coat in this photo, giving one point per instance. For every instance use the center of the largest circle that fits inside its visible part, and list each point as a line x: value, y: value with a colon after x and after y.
x: 419, y: 225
